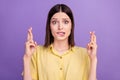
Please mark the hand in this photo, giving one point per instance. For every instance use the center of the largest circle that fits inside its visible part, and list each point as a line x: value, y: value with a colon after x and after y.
x: 30, y: 44
x: 92, y: 46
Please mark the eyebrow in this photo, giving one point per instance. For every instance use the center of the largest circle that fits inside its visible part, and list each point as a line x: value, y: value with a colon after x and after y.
x: 62, y: 18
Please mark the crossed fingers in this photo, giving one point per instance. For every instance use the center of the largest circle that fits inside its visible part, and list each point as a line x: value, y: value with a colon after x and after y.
x: 30, y: 35
x: 92, y: 44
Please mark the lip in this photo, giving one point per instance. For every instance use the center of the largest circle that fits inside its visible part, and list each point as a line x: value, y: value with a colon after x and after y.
x: 61, y: 33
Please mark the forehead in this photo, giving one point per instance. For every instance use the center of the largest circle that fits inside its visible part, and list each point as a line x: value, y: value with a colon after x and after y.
x: 60, y: 15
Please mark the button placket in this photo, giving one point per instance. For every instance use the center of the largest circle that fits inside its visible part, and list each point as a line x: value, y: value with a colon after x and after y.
x: 61, y: 63
x: 61, y: 67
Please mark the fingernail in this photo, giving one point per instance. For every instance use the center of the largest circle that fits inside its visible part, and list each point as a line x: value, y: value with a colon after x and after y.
x: 30, y: 28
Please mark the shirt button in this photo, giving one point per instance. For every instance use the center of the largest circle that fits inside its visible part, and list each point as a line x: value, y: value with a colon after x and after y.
x: 60, y: 68
x: 60, y: 57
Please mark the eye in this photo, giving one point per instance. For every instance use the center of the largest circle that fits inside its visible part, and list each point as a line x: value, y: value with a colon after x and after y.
x: 66, y: 21
x: 54, y: 22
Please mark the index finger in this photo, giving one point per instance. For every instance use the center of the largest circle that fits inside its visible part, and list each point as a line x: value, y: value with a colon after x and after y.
x: 93, y: 37
x: 30, y: 35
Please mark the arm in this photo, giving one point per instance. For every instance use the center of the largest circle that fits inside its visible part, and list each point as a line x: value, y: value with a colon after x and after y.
x: 92, y: 73
x: 26, y: 73
x: 29, y: 50
x: 92, y: 50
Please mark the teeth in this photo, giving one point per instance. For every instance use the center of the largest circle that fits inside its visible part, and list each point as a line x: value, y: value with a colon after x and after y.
x: 61, y: 32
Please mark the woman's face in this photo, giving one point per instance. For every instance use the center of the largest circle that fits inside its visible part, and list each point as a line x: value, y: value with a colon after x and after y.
x: 60, y: 25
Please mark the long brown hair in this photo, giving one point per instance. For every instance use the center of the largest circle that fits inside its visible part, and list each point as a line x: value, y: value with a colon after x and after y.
x: 57, y: 8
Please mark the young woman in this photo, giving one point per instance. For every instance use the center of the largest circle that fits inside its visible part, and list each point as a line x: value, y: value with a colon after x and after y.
x: 59, y: 58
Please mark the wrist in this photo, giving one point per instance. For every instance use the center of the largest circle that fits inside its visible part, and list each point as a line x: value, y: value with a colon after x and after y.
x: 93, y: 59
x: 26, y: 57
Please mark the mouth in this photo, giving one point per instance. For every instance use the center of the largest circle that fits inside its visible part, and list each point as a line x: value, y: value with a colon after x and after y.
x: 61, y: 33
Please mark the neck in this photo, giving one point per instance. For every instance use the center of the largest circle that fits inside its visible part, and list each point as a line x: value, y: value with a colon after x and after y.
x: 61, y: 46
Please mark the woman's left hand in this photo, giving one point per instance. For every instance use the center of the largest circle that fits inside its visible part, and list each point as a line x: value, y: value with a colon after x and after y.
x: 92, y: 46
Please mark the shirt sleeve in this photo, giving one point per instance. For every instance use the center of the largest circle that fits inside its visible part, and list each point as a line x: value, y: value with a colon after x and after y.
x: 86, y: 66
x: 33, y: 65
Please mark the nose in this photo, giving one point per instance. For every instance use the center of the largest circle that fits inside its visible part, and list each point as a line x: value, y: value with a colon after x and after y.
x: 60, y: 26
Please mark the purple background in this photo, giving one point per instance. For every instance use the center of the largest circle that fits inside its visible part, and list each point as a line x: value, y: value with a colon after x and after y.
x: 101, y: 16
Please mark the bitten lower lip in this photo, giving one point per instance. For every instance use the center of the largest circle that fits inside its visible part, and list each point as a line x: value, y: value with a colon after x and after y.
x: 60, y: 32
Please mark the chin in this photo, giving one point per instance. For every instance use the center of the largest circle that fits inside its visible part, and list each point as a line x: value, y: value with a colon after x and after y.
x: 61, y: 38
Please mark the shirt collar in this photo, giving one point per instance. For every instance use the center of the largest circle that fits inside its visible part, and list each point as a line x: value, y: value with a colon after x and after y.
x: 54, y: 52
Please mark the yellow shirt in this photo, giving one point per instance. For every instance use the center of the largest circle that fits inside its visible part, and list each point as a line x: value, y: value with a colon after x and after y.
x: 47, y: 64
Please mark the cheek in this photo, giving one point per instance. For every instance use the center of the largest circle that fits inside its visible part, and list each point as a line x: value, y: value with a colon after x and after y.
x: 53, y: 27
x: 68, y: 31
x: 53, y: 30
x: 69, y: 28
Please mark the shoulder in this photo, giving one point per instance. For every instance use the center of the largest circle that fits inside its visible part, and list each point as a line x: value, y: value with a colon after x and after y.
x: 81, y: 51
x: 40, y: 48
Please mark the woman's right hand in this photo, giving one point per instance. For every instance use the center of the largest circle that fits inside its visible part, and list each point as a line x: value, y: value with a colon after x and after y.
x: 30, y: 44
